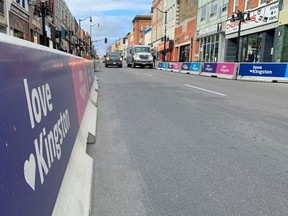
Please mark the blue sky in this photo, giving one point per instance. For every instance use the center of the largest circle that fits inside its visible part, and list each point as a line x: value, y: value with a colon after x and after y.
x: 114, y: 16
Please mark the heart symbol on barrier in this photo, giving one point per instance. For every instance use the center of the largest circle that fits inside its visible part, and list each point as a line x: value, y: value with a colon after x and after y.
x: 30, y: 171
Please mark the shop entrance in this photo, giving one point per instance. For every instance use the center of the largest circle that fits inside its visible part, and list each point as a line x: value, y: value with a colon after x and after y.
x: 252, y: 42
x: 184, y: 53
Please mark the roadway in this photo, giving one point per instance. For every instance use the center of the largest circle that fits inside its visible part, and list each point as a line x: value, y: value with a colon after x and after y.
x: 171, y: 144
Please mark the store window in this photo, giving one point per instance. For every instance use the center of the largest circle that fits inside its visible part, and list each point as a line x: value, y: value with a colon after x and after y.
x: 209, y: 48
x: 252, y: 42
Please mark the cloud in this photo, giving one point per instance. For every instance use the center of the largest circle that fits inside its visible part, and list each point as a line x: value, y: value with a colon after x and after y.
x: 114, y: 16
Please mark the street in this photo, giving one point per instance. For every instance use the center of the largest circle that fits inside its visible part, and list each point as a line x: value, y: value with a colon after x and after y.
x: 171, y: 144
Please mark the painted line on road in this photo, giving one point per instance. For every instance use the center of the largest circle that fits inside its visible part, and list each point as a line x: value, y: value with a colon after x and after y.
x: 148, y: 74
x: 206, y: 90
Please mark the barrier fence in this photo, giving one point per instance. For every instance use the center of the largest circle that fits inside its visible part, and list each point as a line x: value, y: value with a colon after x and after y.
x: 44, y: 98
x: 270, y: 72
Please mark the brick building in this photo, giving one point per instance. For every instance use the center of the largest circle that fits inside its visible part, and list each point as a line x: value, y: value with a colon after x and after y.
x: 140, y: 23
x: 185, y: 43
x: 259, y: 34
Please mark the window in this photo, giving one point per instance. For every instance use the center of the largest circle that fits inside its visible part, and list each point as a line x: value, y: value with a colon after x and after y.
x: 225, y: 7
x: 2, y: 6
x: 213, y: 8
x: 248, y: 4
x: 203, y: 13
x: 236, y: 6
x: 209, y: 48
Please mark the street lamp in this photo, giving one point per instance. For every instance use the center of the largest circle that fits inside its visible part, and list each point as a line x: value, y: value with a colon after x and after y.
x: 42, y: 11
x: 165, y: 21
x: 80, y: 20
x: 239, y: 18
x: 91, y: 37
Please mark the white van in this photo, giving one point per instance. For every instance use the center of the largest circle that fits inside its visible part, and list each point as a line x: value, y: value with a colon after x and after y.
x: 139, y: 55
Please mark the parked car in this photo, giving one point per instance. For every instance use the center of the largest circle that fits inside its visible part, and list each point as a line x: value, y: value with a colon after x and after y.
x: 113, y: 59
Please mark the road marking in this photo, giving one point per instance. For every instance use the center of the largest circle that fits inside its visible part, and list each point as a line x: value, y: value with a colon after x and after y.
x: 206, y: 90
x: 147, y: 74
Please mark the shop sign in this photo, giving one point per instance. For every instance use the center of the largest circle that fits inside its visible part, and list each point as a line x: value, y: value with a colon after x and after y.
x: 161, y: 46
x: 259, y: 17
x: 206, y: 31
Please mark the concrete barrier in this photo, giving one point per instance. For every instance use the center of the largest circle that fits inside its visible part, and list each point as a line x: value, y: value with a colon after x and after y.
x: 267, y: 72
x: 162, y: 65
x: 191, y: 68
x: 174, y: 66
x: 47, y: 114
x: 225, y: 70
x: 96, y: 64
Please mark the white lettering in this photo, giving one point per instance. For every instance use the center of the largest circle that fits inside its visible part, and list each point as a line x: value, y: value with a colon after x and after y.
x: 29, y: 103
x: 49, y: 97
x: 36, y: 105
x: 40, y: 159
x: 38, y: 102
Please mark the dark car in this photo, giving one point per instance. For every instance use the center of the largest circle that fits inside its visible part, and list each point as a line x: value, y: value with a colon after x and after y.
x: 113, y: 59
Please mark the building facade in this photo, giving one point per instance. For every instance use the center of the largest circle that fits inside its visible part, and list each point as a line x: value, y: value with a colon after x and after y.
x: 259, y: 33
x: 3, y: 17
x: 165, y: 17
x: 211, y: 20
x: 186, y: 48
x: 281, y: 54
x: 140, y: 23
x: 147, y: 35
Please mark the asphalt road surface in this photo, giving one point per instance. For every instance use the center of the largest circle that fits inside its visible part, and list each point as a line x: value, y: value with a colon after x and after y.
x: 171, y: 144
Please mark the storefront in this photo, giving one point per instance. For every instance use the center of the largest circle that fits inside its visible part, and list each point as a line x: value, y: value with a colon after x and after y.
x: 210, y: 40
x: 186, y: 48
x: 19, y: 22
x: 169, y: 51
x: 35, y: 29
x: 257, y: 34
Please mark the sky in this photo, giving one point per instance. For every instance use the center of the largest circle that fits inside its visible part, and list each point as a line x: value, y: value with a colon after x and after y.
x: 114, y: 17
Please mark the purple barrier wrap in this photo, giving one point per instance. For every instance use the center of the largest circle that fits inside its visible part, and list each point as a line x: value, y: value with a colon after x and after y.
x: 39, y: 124
x: 220, y: 69
x: 279, y: 70
x: 209, y: 68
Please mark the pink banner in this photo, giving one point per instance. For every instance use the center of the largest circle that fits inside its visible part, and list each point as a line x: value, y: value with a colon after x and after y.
x: 81, y: 88
x: 225, y: 68
x: 177, y: 65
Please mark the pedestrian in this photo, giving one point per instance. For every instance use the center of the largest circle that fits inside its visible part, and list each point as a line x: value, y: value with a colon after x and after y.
x: 250, y: 57
x: 154, y: 60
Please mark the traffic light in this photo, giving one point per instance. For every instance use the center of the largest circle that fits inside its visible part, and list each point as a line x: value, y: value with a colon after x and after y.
x: 105, y: 40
